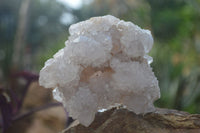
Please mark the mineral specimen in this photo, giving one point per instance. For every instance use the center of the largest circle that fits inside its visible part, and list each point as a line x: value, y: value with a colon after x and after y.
x: 104, y: 63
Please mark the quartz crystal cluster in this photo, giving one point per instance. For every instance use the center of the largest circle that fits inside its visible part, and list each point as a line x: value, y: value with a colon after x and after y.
x: 104, y: 63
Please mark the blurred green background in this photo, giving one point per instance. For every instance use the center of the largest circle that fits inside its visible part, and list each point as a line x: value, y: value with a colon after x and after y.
x: 31, y: 31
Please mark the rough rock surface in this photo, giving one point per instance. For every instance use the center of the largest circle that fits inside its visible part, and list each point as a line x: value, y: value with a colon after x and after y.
x: 105, y: 62
x: 124, y: 121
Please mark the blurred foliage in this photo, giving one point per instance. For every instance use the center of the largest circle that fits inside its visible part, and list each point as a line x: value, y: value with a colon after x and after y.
x: 44, y: 30
x: 176, y: 30
x: 174, y: 25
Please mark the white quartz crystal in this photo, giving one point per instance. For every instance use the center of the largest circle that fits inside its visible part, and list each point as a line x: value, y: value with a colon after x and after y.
x: 104, y: 63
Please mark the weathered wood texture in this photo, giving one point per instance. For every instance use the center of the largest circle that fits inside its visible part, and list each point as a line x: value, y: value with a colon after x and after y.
x: 123, y: 121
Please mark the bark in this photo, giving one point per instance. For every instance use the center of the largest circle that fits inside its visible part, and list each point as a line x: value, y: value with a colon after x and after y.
x: 120, y: 120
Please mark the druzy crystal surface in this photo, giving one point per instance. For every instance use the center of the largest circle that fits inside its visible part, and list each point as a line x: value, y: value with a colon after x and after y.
x: 104, y: 63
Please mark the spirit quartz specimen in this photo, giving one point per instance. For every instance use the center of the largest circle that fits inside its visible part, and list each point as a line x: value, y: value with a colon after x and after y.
x: 104, y: 63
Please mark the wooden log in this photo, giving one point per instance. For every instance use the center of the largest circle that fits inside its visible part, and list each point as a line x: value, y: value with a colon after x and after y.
x: 121, y: 120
